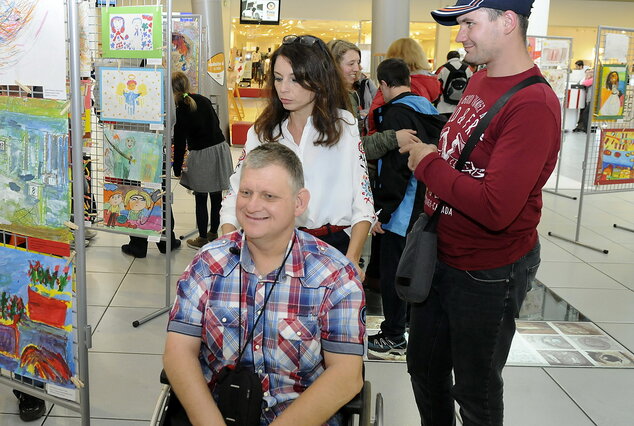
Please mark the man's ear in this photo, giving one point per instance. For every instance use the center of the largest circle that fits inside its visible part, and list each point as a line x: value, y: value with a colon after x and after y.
x: 301, y: 201
x: 510, y: 21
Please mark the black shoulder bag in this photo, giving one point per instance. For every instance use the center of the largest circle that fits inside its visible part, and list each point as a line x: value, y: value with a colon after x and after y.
x: 417, y: 265
x: 238, y: 387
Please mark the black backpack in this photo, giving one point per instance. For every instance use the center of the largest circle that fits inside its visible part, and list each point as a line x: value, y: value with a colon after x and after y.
x: 455, y: 84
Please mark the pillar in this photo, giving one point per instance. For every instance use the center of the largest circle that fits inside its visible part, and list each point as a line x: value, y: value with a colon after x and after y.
x: 390, y: 21
x: 213, y: 44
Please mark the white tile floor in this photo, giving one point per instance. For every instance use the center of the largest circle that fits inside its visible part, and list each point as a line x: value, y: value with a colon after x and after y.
x: 125, y: 361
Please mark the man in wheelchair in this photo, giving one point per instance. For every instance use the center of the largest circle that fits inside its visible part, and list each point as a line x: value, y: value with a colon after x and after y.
x: 282, y: 304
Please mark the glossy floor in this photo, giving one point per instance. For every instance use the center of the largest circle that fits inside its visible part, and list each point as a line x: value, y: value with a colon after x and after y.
x: 125, y: 362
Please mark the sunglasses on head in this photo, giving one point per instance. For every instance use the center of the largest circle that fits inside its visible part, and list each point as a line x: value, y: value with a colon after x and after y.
x: 305, y: 40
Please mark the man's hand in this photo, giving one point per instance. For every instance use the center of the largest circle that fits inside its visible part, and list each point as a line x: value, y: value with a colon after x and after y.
x: 406, y: 136
x: 377, y: 229
x: 417, y: 152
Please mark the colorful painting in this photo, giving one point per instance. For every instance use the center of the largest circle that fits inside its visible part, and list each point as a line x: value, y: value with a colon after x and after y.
x: 133, y: 95
x: 133, y: 155
x: 186, y: 48
x: 132, y: 32
x: 612, y: 81
x: 616, y: 157
x: 31, y: 34
x: 84, y: 10
x: 36, y: 316
x: 135, y: 209
x: 34, y: 168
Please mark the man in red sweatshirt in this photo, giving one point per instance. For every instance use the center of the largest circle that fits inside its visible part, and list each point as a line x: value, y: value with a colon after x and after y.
x: 488, y: 247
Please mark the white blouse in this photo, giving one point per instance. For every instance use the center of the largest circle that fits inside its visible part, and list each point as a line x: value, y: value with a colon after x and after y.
x: 336, y: 177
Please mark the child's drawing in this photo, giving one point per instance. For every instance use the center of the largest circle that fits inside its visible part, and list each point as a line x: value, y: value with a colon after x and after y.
x: 36, y: 297
x: 133, y: 208
x: 34, y: 168
x: 132, y: 32
x: 133, y: 155
x: 31, y: 34
x: 131, y: 95
x: 186, y: 48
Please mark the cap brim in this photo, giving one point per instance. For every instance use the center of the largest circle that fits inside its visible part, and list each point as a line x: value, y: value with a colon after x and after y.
x: 447, y: 15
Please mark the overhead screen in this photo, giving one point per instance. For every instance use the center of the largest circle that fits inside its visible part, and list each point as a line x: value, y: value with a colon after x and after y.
x: 260, y: 12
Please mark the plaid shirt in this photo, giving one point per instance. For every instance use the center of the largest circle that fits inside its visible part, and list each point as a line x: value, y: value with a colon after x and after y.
x: 317, y: 304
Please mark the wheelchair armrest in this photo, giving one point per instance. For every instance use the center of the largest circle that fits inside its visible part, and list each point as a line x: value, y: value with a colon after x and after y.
x: 360, y: 405
x: 164, y: 380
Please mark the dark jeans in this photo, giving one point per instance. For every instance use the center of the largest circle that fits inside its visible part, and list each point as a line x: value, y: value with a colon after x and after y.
x: 466, y: 325
x: 394, y: 309
x: 202, y: 216
x: 339, y: 240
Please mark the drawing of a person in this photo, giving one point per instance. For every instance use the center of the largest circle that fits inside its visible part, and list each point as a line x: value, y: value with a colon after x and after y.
x: 138, y: 203
x: 611, y: 96
x: 117, y: 33
x: 113, y: 208
x: 131, y: 92
x: 136, y: 37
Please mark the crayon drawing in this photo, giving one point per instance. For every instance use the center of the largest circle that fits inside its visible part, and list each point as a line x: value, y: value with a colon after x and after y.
x: 186, y: 48
x: 34, y: 168
x: 31, y: 34
x: 611, y: 95
x: 133, y: 155
x: 132, y: 95
x: 134, y: 209
x: 557, y: 79
x: 132, y: 32
x: 36, y: 316
x: 554, y: 52
x: 616, y: 157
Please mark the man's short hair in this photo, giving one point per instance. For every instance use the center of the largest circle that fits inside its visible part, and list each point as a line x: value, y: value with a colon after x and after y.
x: 522, y: 20
x: 274, y: 153
x: 394, y: 72
x: 579, y: 63
x: 453, y: 54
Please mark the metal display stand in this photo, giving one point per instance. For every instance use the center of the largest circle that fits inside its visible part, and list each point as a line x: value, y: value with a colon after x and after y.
x: 81, y: 329
x: 557, y: 67
x: 593, y: 152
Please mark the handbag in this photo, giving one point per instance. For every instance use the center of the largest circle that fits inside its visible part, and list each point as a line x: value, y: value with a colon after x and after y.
x: 416, y: 267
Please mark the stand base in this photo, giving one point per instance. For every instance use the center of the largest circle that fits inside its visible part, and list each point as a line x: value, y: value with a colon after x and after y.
x: 150, y: 316
x: 578, y: 243
x: 550, y: 191
x: 623, y: 228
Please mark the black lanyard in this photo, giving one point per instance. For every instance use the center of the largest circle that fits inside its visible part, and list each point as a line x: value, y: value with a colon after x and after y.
x: 266, y: 300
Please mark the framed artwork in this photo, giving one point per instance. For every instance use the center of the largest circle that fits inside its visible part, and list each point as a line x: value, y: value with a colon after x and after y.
x: 34, y: 168
x: 616, y: 157
x: 133, y: 95
x: 135, y: 209
x: 32, y: 34
x: 133, y: 155
x: 36, y: 316
x: 186, y: 35
x: 132, y: 32
x: 611, y: 96
x: 557, y: 79
x: 554, y: 52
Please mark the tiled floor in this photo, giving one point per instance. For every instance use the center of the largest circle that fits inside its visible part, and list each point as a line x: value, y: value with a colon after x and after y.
x: 125, y: 361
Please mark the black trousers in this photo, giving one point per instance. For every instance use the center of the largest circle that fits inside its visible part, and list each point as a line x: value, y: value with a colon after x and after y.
x: 203, y: 216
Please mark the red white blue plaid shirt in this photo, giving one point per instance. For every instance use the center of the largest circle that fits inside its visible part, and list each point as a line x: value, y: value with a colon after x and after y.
x: 318, y: 304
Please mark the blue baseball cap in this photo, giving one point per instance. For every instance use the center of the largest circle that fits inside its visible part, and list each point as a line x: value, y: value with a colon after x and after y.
x: 447, y: 15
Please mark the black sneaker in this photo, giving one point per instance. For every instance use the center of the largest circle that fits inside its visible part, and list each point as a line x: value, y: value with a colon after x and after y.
x: 31, y: 408
x: 130, y: 251
x: 387, y: 348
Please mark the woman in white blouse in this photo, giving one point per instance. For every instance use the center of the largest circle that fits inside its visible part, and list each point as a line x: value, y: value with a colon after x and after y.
x: 306, y: 112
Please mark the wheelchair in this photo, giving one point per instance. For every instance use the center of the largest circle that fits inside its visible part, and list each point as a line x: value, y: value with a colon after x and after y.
x: 169, y: 411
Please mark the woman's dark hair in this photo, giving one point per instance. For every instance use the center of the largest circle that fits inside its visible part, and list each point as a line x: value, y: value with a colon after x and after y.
x: 315, y: 70
x: 608, y: 83
x: 180, y: 88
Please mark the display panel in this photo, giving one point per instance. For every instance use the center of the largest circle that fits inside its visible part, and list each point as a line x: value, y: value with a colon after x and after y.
x: 260, y: 12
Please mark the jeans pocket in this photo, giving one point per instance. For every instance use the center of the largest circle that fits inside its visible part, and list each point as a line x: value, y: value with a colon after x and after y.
x: 499, y: 275
x: 531, y: 274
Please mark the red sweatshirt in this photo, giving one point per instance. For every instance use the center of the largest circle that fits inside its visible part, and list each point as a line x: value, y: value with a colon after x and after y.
x: 494, y: 204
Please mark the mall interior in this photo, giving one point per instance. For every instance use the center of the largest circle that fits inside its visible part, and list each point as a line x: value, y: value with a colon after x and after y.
x: 572, y: 359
